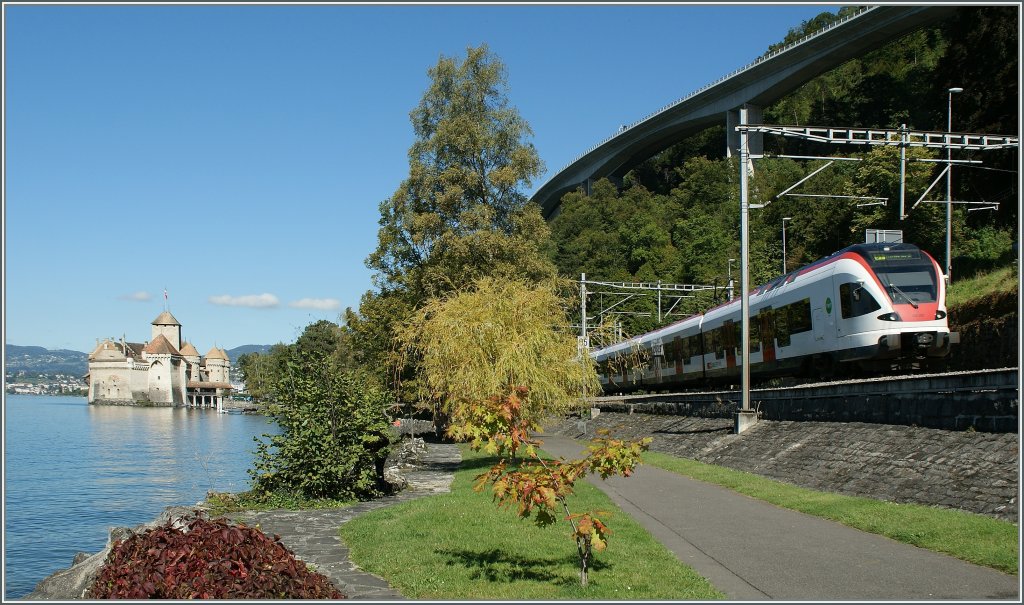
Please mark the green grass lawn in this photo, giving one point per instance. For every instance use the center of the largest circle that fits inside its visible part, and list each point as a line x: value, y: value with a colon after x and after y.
x: 971, y: 537
x: 461, y: 546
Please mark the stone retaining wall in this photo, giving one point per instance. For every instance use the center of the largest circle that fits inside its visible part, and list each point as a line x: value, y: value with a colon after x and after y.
x: 966, y: 470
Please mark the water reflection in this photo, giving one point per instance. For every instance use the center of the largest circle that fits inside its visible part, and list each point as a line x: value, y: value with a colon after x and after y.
x: 94, y: 467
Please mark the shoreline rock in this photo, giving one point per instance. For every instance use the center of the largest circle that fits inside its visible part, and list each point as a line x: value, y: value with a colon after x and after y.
x: 73, y: 582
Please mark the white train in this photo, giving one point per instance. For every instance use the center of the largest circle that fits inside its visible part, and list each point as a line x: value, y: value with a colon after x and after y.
x: 872, y: 307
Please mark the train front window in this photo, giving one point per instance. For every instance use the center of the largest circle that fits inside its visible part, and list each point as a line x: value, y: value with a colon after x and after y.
x: 906, y: 275
x: 913, y: 284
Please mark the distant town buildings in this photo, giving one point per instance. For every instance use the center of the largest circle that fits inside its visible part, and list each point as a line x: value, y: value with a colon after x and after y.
x: 163, y: 371
x: 45, y: 384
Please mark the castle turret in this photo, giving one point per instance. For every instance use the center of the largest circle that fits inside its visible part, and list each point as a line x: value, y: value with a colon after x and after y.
x: 109, y: 374
x: 166, y: 375
x: 190, y: 353
x: 169, y: 327
x: 217, y: 364
x: 192, y: 359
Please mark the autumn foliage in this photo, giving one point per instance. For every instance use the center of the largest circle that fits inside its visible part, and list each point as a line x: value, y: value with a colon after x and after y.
x: 207, y: 560
x: 540, y: 487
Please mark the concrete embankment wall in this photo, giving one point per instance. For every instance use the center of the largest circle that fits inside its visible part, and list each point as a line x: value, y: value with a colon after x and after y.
x: 966, y: 470
x: 983, y: 400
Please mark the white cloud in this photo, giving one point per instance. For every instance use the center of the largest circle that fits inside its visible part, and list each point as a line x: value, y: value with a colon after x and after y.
x: 140, y: 296
x: 320, y: 304
x: 256, y: 301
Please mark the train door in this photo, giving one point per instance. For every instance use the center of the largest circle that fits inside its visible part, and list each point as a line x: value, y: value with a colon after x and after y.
x: 766, y: 322
x: 824, y: 322
x: 677, y: 346
x: 657, y: 358
x: 729, y: 330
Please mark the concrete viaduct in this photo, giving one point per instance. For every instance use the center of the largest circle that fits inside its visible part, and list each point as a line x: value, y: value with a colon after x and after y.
x: 756, y: 85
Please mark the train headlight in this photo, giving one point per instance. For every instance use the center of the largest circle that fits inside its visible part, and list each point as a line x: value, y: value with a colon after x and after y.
x: 940, y: 314
x: 894, y: 316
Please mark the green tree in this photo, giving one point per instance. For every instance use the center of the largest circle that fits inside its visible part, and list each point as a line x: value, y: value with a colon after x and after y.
x: 319, y: 339
x: 262, y: 372
x: 879, y: 175
x: 584, y: 236
x: 983, y: 59
x: 462, y: 213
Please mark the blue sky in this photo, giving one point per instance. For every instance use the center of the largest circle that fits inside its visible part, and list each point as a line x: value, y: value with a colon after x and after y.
x: 237, y: 155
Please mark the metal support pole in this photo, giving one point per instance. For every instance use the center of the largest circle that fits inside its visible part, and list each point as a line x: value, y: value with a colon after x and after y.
x: 731, y: 293
x: 583, y: 312
x: 949, y: 190
x: 745, y: 417
x: 784, y: 221
x: 903, y: 168
x: 659, y: 302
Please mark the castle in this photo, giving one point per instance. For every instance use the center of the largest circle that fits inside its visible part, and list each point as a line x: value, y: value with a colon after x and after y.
x: 161, y: 372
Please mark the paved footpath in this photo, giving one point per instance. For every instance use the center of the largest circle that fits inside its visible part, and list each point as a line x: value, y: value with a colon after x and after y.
x: 313, y: 534
x: 752, y: 550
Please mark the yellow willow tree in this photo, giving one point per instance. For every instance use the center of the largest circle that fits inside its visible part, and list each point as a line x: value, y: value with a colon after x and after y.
x: 497, y: 359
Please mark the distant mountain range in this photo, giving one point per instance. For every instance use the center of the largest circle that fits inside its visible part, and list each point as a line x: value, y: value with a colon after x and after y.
x: 39, y: 360
x: 237, y: 352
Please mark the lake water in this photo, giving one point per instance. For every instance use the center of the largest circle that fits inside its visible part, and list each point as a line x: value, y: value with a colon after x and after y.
x: 72, y: 471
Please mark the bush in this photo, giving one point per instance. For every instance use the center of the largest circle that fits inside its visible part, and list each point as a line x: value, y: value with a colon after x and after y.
x: 206, y: 560
x: 334, y: 439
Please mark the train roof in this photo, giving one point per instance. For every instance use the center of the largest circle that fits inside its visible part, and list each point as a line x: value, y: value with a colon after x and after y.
x: 866, y: 251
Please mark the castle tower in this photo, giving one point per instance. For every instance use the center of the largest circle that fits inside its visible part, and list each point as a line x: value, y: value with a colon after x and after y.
x: 109, y: 375
x: 169, y: 327
x: 192, y: 358
x: 217, y: 364
x: 166, y: 375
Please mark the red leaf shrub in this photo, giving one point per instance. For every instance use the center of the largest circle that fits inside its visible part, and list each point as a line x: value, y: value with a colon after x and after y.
x: 207, y: 560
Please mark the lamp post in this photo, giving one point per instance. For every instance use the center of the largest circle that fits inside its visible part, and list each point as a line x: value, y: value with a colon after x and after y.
x: 784, y: 221
x: 949, y: 188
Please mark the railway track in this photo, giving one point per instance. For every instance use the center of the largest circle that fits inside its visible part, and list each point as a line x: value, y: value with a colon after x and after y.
x: 981, y: 400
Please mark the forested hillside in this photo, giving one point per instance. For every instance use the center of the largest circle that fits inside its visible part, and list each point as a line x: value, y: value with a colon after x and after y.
x: 676, y: 217
x: 38, y: 360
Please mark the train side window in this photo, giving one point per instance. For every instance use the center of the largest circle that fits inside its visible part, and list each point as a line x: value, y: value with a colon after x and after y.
x: 729, y: 333
x: 856, y: 301
x: 691, y: 348
x: 800, y: 316
x: 755, y: 335
x: 782, y: 326
x: 766, y: 324
x: 713, y: 343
